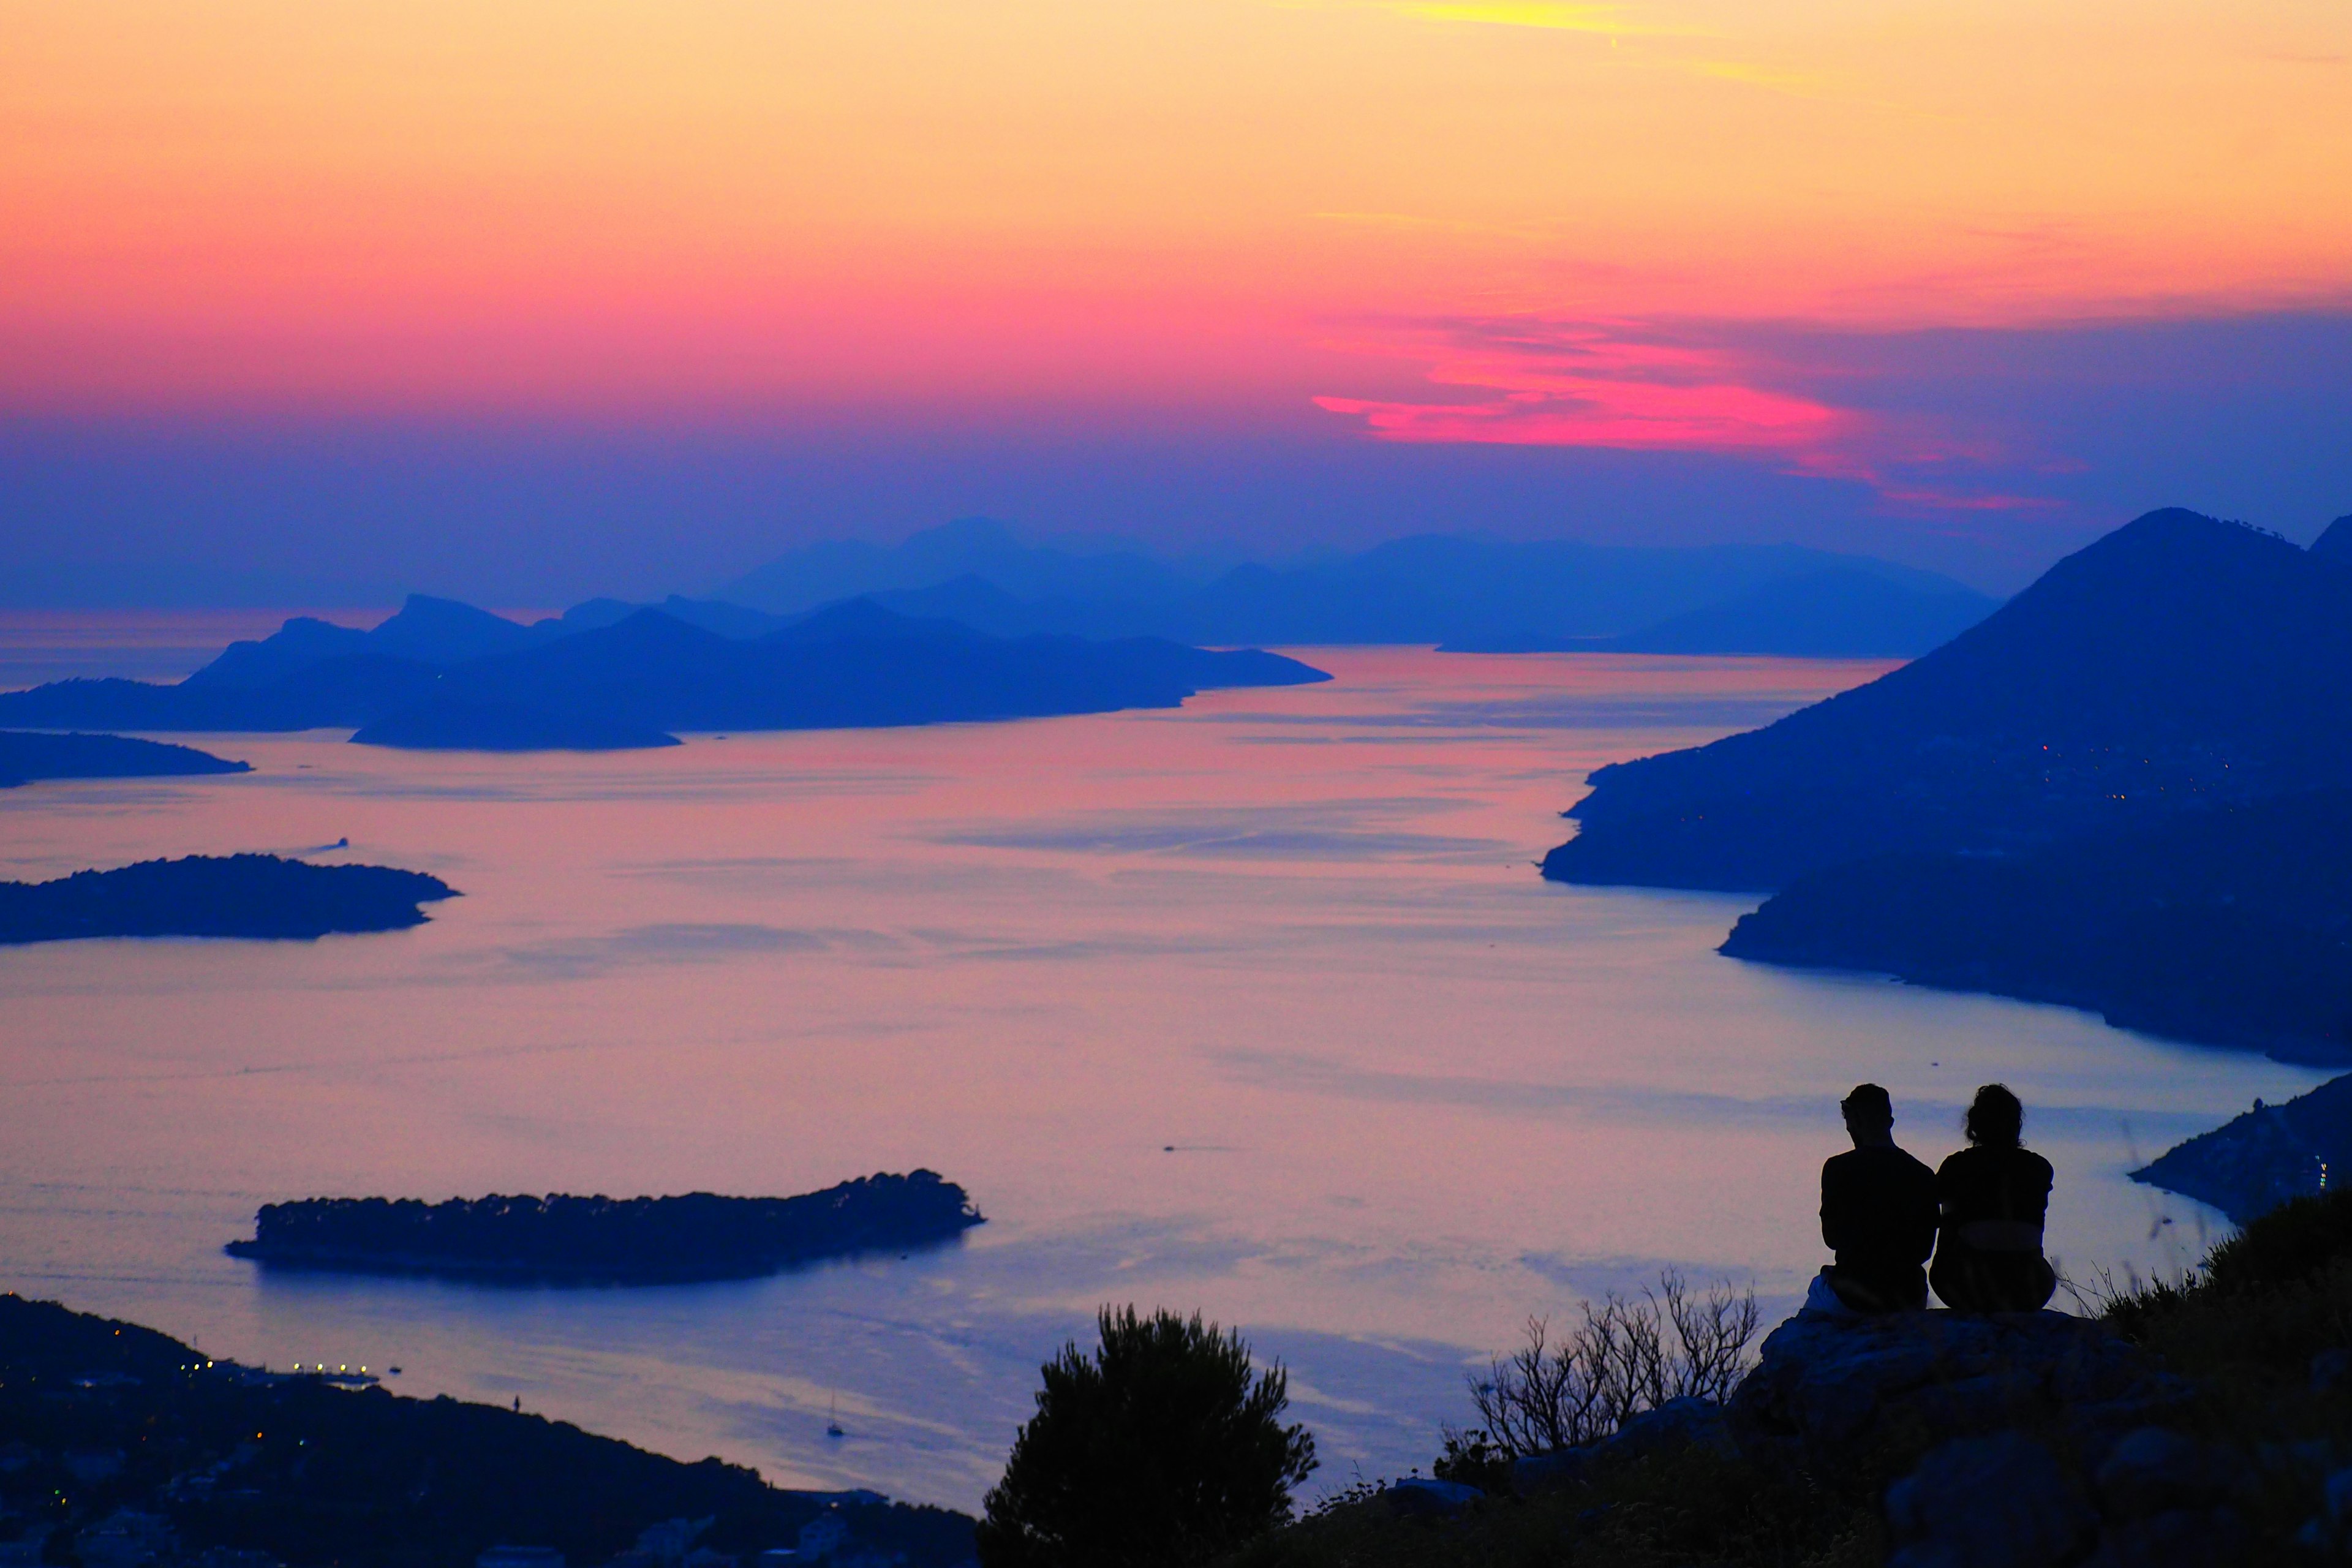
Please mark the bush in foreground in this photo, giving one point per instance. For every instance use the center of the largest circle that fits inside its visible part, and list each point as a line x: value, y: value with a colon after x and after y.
x: 1165, y: 1447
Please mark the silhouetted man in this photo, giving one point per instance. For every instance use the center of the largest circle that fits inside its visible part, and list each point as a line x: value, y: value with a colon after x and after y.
x: 1878, y: 1216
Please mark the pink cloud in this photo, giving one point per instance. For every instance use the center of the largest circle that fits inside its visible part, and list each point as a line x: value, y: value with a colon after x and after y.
x: 1636, y: 388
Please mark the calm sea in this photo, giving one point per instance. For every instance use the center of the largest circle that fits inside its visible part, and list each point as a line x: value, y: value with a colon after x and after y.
x: 1257, y: 1008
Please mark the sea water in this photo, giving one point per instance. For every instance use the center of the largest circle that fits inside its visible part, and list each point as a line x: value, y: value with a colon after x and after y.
x: 1256, y: 1008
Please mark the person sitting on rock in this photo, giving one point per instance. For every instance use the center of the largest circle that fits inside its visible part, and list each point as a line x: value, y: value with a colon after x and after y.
x: 1878, y: 1216
x: 1994, y: 1196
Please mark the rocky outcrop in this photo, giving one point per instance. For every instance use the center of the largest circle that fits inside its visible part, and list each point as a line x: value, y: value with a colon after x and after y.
x: 2033, y: 1440
x: 1830, y: 1391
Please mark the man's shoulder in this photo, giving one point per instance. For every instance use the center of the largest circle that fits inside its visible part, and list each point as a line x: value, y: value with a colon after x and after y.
x: 1912, y: 1165
x: 1878, y: 1163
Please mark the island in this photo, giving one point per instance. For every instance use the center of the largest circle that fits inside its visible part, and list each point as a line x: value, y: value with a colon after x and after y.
x: 260, y: 896
x: 27, y: 756
x: 443, y: 675
x: 2179, y: 662
x: 2226, y: 926
x: 2265, y: 1156
x: 600, y: 1240
x: 124, y: 1446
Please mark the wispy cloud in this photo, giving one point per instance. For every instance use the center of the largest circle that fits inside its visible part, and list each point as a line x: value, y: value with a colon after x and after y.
x: 1606, y: 20
x: 1672, y: 47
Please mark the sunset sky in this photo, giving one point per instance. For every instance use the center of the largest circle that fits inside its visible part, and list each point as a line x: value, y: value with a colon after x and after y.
x: 430, y: 292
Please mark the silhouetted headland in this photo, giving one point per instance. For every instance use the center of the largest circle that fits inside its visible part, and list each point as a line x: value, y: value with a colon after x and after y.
x: 2261, y: 1159
x: 2230, y: 926
x: 2179, y: 662
x: 566, y: 1239
x: 226, y: 896
x: 444, y: 675
x: 124, y: 1446
x: 26, y: 757
x: 2335, y: 542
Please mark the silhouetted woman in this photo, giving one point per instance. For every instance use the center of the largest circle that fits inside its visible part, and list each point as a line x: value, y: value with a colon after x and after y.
x: 1993, y: 1195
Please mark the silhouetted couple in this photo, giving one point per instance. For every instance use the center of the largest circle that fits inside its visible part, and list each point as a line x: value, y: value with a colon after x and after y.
x: 1883, y: 1212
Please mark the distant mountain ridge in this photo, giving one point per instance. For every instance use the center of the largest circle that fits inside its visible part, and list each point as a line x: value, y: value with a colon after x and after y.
x: 1462, y: 592
x: 2178, y: 661
x: 1842, y: 612
x: 444, y: 675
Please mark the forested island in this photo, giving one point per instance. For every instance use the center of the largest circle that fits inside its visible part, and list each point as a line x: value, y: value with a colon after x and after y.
x: 261, y: 896
x: 27, y: 756
x: 440, y: 674
x: 122, y: 1445
x: 566, y: 1239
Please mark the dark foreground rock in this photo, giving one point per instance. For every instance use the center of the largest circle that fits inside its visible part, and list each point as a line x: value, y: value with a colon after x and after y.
x: 565, y: 1239
x: 2040, y: 1439
x: 224, y: 896
x: 26, y: 757
x: 1827, y: 1392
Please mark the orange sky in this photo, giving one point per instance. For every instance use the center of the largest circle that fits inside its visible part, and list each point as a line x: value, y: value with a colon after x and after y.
x: 697, y: 204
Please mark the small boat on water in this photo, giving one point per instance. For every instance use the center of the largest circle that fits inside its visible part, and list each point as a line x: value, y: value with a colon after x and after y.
x: 833, y: 1419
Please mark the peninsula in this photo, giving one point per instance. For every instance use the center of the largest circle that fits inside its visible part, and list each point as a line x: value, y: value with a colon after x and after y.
x: 2230, y: 926
x: 26, y: 757
x: 226, y: 896
x: 125, y: 1445
x: 582, y: 1240
x: 2268, y: 1155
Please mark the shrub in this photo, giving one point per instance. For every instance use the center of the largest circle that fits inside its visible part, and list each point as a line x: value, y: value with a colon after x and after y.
x: 1163, y: 1447
x: 1629, y: 1355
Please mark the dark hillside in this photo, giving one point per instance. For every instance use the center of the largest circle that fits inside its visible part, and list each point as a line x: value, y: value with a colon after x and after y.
x: 309, y: 1472
x: 2230, y: 926
x: 2334, y: 543
x: 25, y: 757
x: 2178, y: 661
